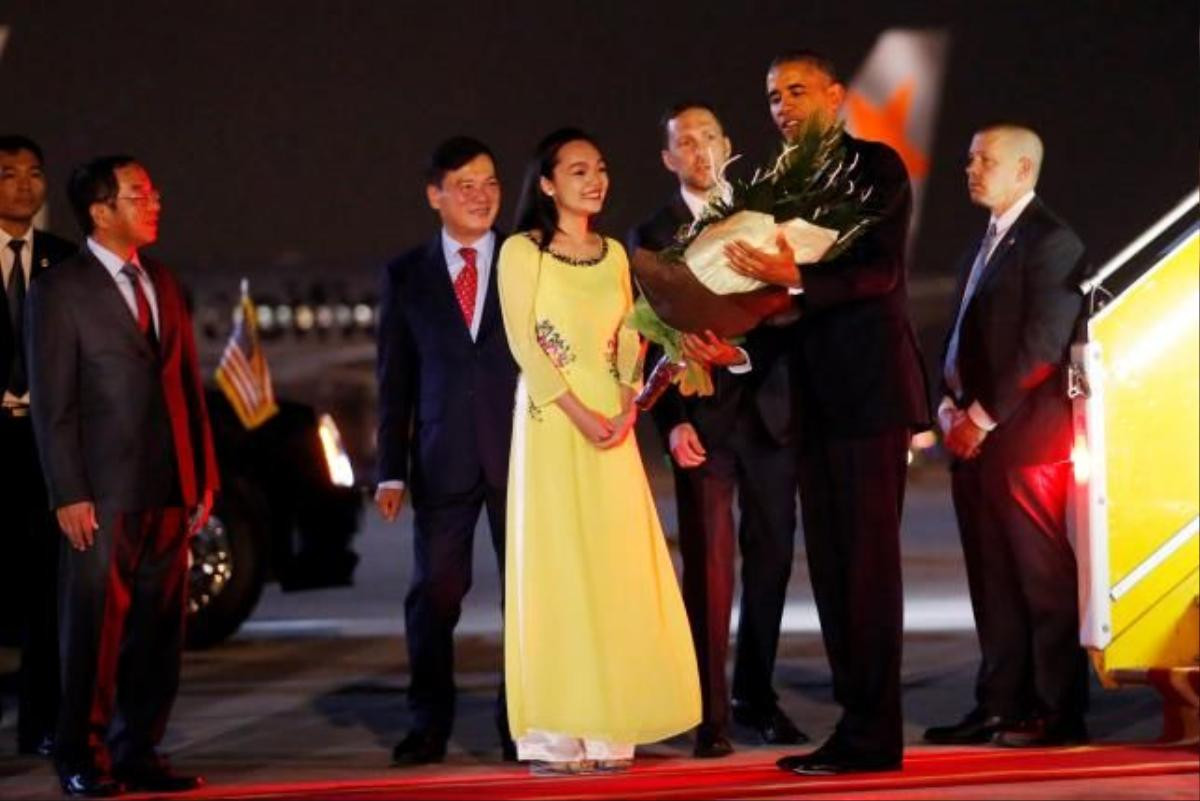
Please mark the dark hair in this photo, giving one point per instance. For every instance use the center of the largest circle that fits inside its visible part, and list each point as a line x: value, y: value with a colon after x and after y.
x: 452, y: 154
x: 812, y: 58
x: 11, y: 143
x: 94, y: 182
x: 675, y: 110
x: 536, y: 210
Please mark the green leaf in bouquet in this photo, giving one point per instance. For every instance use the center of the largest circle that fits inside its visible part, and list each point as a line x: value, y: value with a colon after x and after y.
x: 812, y: 178
x: 643, y: 319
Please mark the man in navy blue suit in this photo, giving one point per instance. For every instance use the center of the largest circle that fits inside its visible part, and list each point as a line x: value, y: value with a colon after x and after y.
x: 446, y: 387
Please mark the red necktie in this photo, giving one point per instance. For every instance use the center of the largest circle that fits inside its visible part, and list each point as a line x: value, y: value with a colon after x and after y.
x: 145, y: 322
x: 466, y: 283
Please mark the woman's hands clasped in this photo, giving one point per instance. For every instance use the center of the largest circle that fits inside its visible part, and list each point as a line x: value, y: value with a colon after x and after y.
x: 603, y: 432
x: 622, y: 424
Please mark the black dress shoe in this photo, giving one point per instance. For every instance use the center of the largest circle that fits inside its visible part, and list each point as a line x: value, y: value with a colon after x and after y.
x: 1043, y: 733
x: 772, y: 725
x: 419, y: 748
x: 508, y: 749
x: 829, y: 760
x: 711, y: 745
x: 43, y: 746
x: 155, y: 776
x: 88, y: 783
x: 975, y: 729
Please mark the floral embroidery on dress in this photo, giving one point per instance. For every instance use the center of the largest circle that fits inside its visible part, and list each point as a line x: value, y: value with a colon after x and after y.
x: 610, y: 355
x: 553, y: 344
x: 535, y: 412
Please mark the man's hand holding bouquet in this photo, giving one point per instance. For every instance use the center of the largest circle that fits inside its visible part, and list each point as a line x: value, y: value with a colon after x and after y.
x: 807, y: 208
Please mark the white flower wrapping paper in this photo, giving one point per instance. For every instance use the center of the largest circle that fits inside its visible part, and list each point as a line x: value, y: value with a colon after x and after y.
x: 705, y: 257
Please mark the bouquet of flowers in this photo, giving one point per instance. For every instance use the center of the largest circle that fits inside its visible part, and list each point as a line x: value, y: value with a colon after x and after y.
x: 811, y: 195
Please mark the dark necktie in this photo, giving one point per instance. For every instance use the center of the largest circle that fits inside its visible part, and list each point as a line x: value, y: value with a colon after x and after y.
x: 145, y: 321
x: 466, y: 283
x: 18, y: 381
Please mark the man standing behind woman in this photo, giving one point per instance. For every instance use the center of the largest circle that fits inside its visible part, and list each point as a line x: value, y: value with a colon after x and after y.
x: 736, y: 441
x: 598, y: 655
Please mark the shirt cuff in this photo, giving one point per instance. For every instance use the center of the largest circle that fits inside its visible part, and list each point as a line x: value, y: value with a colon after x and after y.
x: 391, y: 484
x: 744, y: 367
x: 944, y: 413
x: 981, y: 418
x: 795, y: 290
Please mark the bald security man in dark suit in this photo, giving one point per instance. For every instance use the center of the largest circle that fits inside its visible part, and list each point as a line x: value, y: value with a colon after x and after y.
x: 1006, y: 418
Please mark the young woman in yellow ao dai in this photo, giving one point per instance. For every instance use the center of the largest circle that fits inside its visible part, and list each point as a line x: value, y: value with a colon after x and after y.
x: 598, y: 653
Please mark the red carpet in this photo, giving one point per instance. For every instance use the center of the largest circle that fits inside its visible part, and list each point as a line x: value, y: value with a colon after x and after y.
x: 686, y: 778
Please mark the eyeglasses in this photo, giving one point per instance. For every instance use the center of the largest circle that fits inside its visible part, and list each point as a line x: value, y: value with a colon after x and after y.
x: 467, y: 191
x: 153, y: 196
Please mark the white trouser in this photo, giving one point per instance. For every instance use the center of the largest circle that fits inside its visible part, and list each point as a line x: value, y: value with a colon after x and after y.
x: 546, y: 746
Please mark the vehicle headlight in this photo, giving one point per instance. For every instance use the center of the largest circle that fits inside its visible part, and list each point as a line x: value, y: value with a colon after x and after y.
x: 336, y: 458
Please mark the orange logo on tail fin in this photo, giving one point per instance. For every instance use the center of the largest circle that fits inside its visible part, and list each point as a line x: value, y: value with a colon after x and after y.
x: 887, y: 123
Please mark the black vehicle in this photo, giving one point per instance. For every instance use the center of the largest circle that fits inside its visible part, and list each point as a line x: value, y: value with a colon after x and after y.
x: 287, y: 511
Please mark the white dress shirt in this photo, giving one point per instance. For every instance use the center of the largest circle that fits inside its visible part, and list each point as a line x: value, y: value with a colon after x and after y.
x: 113, y: 263
x: 6, y: 269
x: 1003, y: 223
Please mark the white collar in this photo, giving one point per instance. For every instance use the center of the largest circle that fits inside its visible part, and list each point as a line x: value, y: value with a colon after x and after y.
x: 451, y: 246
x: 695, y: 201
x: 111, y: 261
x: 1006, y: 220
x: 6, y: 237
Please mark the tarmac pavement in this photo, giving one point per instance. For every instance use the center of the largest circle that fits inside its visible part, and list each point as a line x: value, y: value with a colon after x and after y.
x: 312, y: 688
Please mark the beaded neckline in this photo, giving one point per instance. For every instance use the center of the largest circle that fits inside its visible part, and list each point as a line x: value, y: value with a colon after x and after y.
x: 576, y: 262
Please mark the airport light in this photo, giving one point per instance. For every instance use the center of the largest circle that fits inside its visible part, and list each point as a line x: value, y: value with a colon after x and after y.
x: 364, y: 315
x: 305, y: 318
x: 341, y: 473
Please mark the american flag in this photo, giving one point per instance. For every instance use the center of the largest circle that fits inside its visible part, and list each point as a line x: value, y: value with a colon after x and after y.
x: 243, y: 374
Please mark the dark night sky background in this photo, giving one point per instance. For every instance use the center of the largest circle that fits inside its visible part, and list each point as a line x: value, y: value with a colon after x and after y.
x: 288, y: 137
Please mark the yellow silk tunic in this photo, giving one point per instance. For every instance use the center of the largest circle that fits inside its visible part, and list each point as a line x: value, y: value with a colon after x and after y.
x: 596, y: 641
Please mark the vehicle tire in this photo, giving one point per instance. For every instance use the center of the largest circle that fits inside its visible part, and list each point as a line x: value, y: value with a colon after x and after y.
x: 228, y: 566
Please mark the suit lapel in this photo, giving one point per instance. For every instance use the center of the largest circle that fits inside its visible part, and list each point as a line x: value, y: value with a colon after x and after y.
x: 1006, y: 244
x: 40, y: 260
x: 491, y: 296
x: 168, y: 323
x: 111, y: 304
x: 679, y: 210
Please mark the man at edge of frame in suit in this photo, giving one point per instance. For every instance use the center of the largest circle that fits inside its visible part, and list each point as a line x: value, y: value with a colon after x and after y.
x: 31, y: 540
x: 737, y: 439
x: 122, y: 429
x: 1006, y: 419
x: 446, y: 389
